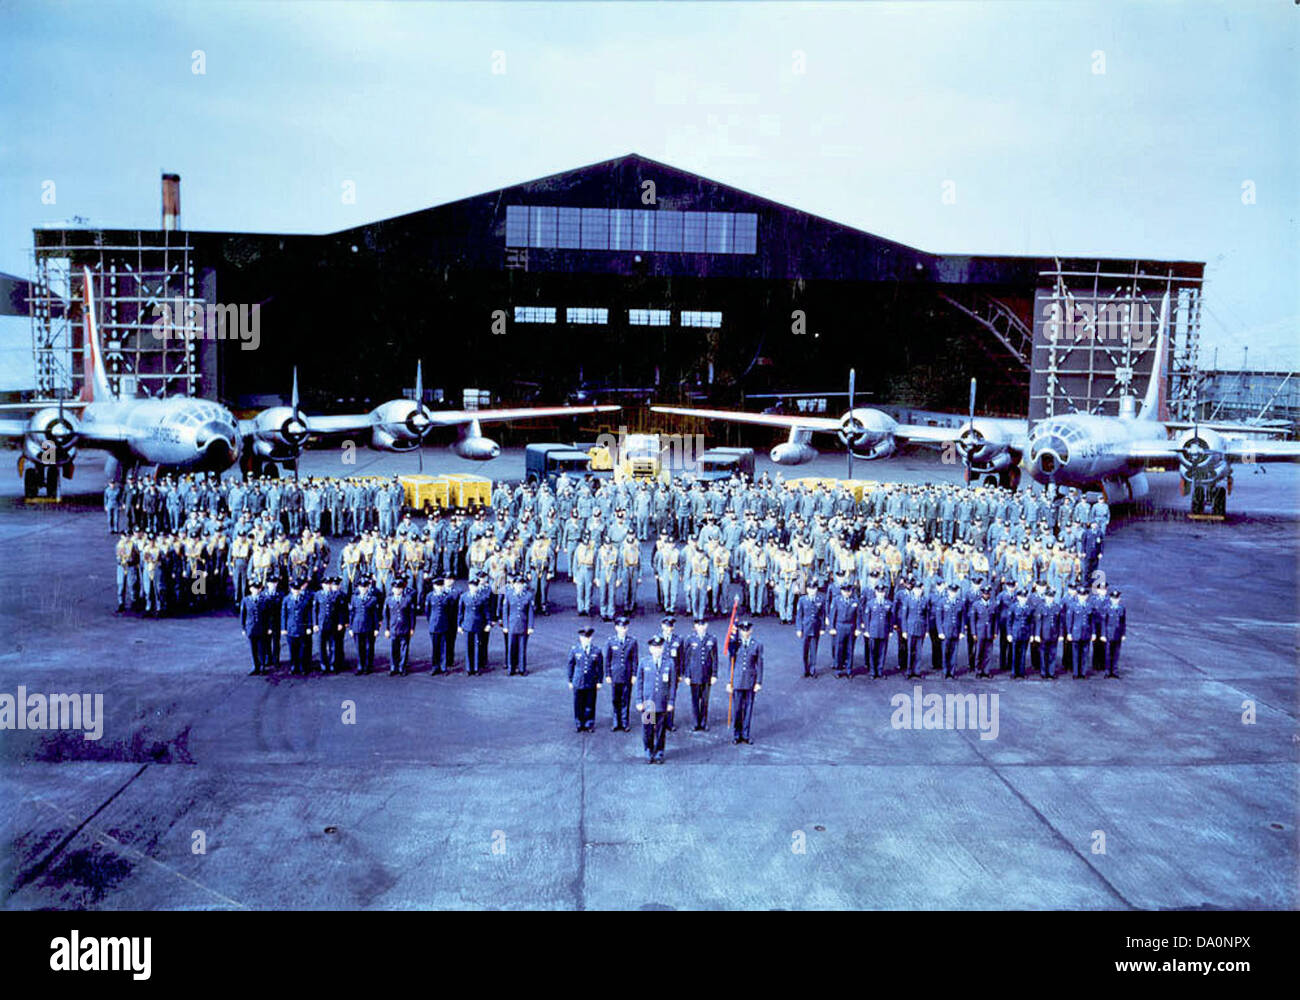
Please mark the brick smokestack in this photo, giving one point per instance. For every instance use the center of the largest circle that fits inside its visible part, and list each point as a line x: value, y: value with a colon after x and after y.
x: 171, y: 201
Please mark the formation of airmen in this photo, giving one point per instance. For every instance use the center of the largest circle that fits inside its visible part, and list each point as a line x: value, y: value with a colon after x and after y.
x: 954, y: 564
x: 651, y: 683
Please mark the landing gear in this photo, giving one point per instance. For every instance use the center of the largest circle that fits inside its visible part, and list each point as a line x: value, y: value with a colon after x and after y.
x: 1008, y: 478
x: 1220, y: 501
x: 1198, y: 499
x: 51, y: 476
x: 32, y: 482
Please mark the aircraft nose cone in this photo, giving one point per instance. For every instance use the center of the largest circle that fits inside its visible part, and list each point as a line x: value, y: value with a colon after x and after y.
x: 213, y: 440
x: 1048, y: 462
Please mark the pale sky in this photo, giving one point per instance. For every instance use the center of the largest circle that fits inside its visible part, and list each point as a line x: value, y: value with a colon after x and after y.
x: 1115, y: 129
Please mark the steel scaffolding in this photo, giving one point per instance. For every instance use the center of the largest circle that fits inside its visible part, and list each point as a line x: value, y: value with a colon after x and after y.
x: 1095, y: 338
x: 135, y: 273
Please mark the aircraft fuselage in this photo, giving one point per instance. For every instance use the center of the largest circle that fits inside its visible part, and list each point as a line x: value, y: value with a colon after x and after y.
x: 1083, y: 449
x: 177, y: 432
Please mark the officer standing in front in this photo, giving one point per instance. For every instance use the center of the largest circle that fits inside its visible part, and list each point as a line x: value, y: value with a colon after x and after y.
x: 876, y: 620
x: 950, y: 620
x: 517, y: 622
x: 700, y: 670
x: 1020, y: 628
x: 656, y: 690
x: 363, y: 625
x: 1079, y: 631
x: 474, y: 622
x: 981, y: 623
x: 252, y: 620
x: 1111, y: 628
x: 843, y: 622
x: 399, y: 626
x: 621, y: 662
x: 330, y: 621
x: 1047, y: 633
x: 746, y: 681
x: 810, y: 616
x: 586, y: 671
x: 442, y: 608
x: 296, y: 623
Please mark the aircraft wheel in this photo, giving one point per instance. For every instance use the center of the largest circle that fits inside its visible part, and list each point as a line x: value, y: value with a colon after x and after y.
x: 1013, y: 477
x: 270, y: 470
x: 1220, y: 501
x: 51, y: 475
x: 31, y: 482
x: 1198, y: 500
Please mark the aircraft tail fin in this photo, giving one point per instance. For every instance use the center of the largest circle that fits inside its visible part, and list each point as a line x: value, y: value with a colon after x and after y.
x: 95, y: 385
x: 1153, y: 403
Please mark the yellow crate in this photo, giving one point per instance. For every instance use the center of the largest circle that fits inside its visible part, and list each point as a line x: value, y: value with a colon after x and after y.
x: 859, y: 487
x: 601, y: 459
x: 808, y: 482
x: 422, y: 489
x: 469, y: 490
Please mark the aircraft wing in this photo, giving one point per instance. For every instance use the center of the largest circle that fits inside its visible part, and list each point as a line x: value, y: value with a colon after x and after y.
x: 1236, y: 450
x: 344, y: 422
x: 786, y: 421
x: 1242, y: 450
x: 96, y: 435
x: 447, y: 418
x: 1224, y: 428
x: 1017, y: 430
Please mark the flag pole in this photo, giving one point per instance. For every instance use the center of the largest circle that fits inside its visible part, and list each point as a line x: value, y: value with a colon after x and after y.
x: 726, y: 648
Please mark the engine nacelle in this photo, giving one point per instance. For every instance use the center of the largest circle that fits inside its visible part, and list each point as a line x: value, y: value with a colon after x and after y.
x: 1201, y: 456
x: 881, y: 449
x: 383, y: 439
x: 279, y: 431
x: 51, y: 438
x: 476, y: 448
x: 865, y: 430
x: 400, y: 425
x: 985, y: 446
x: 793, y: 453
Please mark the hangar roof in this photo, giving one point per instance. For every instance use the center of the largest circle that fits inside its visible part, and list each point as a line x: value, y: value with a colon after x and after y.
x: 788, y: 244
x: 596, y: 219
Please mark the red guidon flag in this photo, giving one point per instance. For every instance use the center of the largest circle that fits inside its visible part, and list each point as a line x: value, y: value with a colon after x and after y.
x: 731, y: 626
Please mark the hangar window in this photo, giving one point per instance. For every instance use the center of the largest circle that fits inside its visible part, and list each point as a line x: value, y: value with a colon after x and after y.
x: 570, y: 229
x: 668, y: 232
x: 649, y: 317
x: 517, y: 226
x: 546, y: 226
x: 620, y: 229
x: 694, y: 227
x: 746, y: 235
x: 711, y: 320
x: 585, y: 315
x: 643, y: 233
x: 595, y: 229
x: 534, y: 314
x: 720, y: 226
x: 542, y: 226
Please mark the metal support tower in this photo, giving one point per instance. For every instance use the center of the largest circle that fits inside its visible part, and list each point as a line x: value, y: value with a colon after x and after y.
x: 135, y: 272
x: 1095, y: 333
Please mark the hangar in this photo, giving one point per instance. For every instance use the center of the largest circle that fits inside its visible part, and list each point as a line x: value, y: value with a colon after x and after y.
x: 627, y: 279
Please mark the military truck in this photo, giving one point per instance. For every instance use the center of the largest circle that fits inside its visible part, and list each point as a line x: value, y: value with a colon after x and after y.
x: 722, y: 463
x: 543, y: 463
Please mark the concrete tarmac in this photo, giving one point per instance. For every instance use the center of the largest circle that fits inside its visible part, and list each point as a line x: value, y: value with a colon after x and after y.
x: 1173, y: 787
